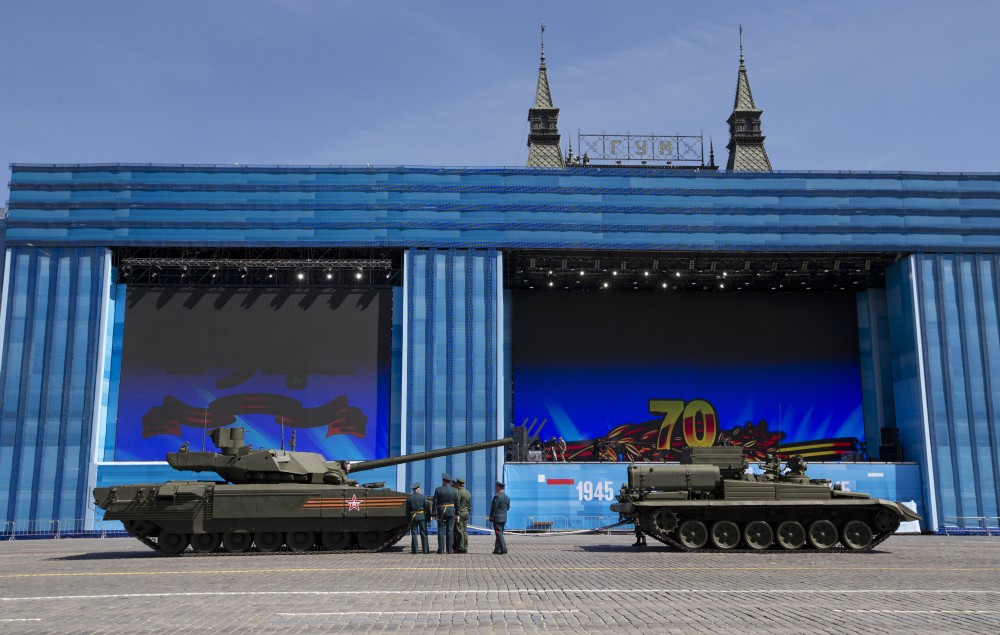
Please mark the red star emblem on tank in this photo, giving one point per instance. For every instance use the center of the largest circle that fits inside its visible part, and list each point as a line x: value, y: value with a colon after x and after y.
x: 354, y: 503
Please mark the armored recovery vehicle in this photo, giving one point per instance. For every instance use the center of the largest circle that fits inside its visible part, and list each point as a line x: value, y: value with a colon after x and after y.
x: 270, y: 498
x: 711, y: 500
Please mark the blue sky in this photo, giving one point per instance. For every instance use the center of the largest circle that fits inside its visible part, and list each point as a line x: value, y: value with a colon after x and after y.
x: 855, y: 84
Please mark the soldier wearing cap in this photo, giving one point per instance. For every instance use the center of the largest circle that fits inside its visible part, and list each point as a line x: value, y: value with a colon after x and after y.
x: 445, y: 500
x: 498, y: 516
x: 417, y: 509
x: 464, y: 512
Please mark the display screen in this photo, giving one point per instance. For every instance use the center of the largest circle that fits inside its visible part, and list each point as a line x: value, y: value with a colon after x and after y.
x: 641, y: 376
x: 313, y: 363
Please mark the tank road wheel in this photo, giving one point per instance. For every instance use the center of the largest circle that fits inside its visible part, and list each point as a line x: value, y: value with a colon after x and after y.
x: 725, y: 534
x: 171, y: 543
x: 236, y: 541
x: 791, y: 534
x: 886, y: 522
x: 300, y: 540
x: 822, y: 534
x: 371, y: 539
x: 336, y: 540
x: 758, y: 535
x: 693, y: 534
x: 205, y: 543
x: 856, y: 535
x: 267, y: 540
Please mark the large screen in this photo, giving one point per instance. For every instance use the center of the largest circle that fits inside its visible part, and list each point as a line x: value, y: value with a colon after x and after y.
x: 314, y: 364
x: 642, y: 376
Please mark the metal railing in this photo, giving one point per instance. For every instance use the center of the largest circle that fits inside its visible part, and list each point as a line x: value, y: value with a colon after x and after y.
x: 60, y: 528
x: 971, y: 525
x: 542, y: 524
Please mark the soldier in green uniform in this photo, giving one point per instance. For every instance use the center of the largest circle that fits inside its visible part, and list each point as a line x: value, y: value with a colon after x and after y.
x: 498, y: 516
x: 445, y: 500
x: 417, y: 509
x: 462, y: 519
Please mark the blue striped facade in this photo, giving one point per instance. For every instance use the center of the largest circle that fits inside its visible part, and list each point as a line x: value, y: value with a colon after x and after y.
x: 930, y: 343
x: 453, y: 364
x: 502, y: 207
x: 53, y: 303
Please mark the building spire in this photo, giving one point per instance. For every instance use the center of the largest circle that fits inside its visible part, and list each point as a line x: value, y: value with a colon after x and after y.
x: 543, y: 139
x: 746, y: 143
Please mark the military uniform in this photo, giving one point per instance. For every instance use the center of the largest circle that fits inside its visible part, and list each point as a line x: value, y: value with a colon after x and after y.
x: 498, y: 516
x: 418, y: 511
x: 464, y: 512
x: 445, y: 500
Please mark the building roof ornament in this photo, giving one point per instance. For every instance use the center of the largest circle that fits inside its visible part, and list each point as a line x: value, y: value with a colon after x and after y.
x: 544, y: 139
x: 746, y: 142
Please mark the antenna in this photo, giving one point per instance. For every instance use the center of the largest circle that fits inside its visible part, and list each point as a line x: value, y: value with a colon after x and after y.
x: 543, y: 41
x: 282, y: 418
x: 741, y: 44
x: 779, y: 428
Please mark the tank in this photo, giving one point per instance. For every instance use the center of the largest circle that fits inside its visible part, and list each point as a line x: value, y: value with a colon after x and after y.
x: 270, y: 499
x: 710, y: 501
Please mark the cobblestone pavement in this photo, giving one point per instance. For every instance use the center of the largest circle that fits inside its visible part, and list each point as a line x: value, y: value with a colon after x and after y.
x: 920, y: 584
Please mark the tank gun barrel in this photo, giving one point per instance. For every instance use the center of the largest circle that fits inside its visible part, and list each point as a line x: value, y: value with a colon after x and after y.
x: 430, y: 454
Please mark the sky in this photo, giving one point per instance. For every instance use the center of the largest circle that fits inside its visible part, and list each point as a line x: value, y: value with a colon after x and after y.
x: 894, y: 85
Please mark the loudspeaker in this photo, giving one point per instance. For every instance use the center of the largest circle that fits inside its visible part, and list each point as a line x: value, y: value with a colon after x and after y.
x: 518, y: 450
x: 889, y: 436
x: 891, y: 452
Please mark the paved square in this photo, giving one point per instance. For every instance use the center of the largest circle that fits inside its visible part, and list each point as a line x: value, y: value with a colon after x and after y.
x: 917, y: 584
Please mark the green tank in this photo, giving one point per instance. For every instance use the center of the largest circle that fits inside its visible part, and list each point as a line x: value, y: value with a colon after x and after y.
x: 710, y: 500
x: 270, y: 499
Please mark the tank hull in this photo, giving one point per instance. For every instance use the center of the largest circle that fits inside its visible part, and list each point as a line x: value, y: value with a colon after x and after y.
x: 298, y: 516
x: 711, y: 502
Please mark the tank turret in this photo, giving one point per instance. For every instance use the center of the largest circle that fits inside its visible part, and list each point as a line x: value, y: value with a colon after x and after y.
x: 240, y: 463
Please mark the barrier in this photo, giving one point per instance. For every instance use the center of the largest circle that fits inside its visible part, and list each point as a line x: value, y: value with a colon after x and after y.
x: 971, y: 526
x: 60, y: 528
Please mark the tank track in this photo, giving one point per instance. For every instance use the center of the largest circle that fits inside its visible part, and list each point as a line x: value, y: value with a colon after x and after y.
x: 390, y: 539
x: 664, y: 537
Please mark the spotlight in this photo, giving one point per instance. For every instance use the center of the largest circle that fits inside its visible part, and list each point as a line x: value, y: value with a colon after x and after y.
x: 300, y: 275
x: 645, y: 273
x: 581, y: 272
x: 550, y: 272
x: 270, y: 275
x: 614, y: 273
x: 677, y: 274
x: 664, y: 285
x: 329, y: 276
x: 724, y: 274
x: 551, y: 284
x: 605, y: 285
x: 722, y: 286
x: 358, y: 275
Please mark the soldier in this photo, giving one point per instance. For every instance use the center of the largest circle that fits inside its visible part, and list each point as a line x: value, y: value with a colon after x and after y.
x: 445, y: 499
x: 561, y: 444
x: 640, y: 538
x: 416, y: 509
x: 498, y: 516
x: 464, y: 511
